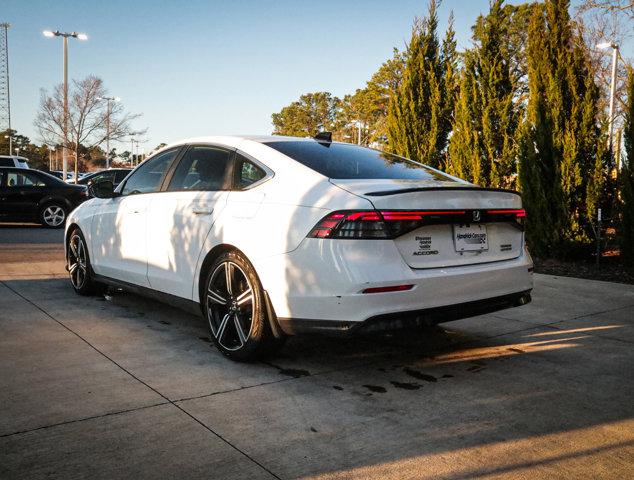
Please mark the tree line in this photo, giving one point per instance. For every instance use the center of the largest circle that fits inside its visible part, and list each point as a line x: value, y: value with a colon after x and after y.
x: 521, y: 109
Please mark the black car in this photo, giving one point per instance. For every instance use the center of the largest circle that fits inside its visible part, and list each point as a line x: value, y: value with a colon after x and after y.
x: 115, y: 175
x: 32, y: 195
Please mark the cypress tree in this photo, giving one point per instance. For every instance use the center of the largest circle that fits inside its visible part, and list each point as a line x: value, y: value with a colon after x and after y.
x: 415, y: 112
x: 499, y: 116
x: 491, y: 84
x: 626, y: 177
x: 450, y: 84
x: 464, y: 159
x: 561, y: 166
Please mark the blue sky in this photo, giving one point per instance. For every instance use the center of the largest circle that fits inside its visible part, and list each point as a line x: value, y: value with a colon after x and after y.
x: 210, y: 67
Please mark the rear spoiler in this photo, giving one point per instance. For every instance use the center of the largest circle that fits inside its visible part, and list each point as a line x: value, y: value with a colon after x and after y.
x: 385, y: 193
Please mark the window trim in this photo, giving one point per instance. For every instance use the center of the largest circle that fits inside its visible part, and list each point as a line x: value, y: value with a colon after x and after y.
x: 179, y: 152
x: 227, y: 183
x: 269, y: 174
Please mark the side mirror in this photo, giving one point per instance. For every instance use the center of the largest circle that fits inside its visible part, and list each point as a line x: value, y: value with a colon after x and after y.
x: 102, y: 189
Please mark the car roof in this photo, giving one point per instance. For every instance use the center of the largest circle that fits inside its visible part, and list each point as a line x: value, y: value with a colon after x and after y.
x: 235, y: 140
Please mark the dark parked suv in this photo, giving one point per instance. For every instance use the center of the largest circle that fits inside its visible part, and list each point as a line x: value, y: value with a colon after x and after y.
x: 32, y: 195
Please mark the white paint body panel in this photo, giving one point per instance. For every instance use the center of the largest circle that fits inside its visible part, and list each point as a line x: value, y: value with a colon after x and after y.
x: 156, y: 240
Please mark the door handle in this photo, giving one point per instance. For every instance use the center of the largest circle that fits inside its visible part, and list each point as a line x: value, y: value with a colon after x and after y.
x: 202, y: 211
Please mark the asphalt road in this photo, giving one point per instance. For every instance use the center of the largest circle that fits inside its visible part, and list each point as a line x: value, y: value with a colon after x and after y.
x: 123, y: 387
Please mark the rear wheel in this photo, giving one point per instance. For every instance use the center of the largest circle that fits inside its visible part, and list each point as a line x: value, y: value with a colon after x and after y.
x: 235, y: 309
x: 53, y: 215
x: 78, y: 266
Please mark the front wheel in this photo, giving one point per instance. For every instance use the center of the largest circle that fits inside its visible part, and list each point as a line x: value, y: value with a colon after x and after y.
x: 78, y: 265
x: 235, y: 309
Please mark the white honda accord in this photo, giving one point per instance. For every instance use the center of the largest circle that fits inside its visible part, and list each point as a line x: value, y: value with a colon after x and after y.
x: 275, y: 236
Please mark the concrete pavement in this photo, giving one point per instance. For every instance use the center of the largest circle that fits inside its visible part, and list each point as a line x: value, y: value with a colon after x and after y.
x: 123, y: 387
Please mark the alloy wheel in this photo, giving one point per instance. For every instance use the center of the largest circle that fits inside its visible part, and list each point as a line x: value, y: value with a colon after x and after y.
x: 229, y: 302
x: 54, y: 215
x: 77, y: 261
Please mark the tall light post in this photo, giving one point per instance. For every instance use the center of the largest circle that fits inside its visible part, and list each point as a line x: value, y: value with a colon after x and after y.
x: 615, y: 56
x: 131, y: 151
x: 65, y: 36
x: 136, y: 143
x: 108, y: 99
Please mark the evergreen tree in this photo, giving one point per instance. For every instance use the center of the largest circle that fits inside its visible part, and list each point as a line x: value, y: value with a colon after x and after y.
x: 626, y: 228
x: 450, y: 83
x: 490, y: 103
x: 463, y: 156
x: 415, y: 126
x: 561, y: 166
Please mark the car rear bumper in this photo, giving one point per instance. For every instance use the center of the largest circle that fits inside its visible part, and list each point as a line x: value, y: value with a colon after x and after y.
x: 396, y: 320
x: 323, y: 280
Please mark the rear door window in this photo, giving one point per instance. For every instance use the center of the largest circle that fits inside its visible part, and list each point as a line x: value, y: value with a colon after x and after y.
x: 202, y: 168
x: 6, y: 162
x: 23, y: 179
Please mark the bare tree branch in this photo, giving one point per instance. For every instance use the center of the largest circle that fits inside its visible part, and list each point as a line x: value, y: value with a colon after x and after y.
x: 87, y: 117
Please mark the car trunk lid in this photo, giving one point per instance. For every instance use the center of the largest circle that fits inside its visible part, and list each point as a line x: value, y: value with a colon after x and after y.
x: 459, y: 223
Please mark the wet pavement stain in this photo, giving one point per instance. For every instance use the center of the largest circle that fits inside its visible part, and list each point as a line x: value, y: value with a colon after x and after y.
x: 406, y: 385
x: 205, y: 339
x: 475, y: 368
x: 313, y: 429
x: 291, y: 372
x: 376, y: 388
x: 446, y: 375
x: 164, y: 322
x: 337, y: 387
x: 419, y: 375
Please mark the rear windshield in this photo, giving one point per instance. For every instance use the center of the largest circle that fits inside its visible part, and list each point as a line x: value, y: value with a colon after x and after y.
x: 342, y: 161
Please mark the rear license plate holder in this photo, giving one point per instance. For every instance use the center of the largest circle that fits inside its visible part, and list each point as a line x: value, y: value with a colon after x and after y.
x: 470, y: 237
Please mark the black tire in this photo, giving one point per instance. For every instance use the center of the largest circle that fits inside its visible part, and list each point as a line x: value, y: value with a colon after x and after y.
x: 78, y: 266
x: 53, y: 215
x: 236, y: 311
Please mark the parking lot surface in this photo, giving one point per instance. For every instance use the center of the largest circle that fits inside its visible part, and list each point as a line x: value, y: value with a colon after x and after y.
x: 122, y: 387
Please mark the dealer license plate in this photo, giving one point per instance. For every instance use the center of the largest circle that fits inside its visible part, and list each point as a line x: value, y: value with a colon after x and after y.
x: 469, y: 238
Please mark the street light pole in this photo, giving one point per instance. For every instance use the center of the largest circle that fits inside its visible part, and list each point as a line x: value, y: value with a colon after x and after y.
x: 108, y: 113
x: 65, y: 120
x: 65, y: 36
x: 615, y: 56
x: 615, y: 53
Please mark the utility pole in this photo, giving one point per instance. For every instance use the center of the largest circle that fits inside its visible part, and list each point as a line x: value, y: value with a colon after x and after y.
x: 5, y: 98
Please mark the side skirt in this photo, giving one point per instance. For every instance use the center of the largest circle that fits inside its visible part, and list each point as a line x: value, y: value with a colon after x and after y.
x: 187, y: 305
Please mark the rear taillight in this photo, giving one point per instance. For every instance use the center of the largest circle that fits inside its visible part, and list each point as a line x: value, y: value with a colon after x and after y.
x: 359, y: 224
x: 386, y: 224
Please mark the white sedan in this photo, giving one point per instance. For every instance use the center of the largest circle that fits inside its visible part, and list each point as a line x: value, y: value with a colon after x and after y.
x: 275, y: 236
